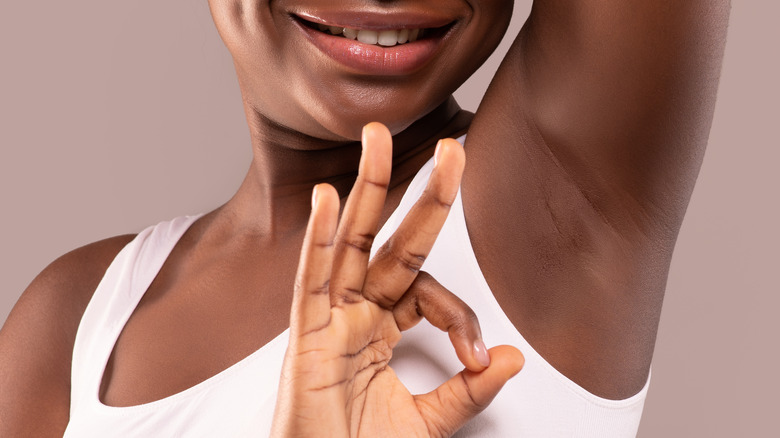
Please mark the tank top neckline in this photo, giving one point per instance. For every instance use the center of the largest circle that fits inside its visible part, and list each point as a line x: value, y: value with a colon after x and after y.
x: 142, y: 281
x: 178, y: 226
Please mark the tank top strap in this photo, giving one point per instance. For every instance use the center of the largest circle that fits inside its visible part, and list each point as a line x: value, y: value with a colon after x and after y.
x: 124, y: 283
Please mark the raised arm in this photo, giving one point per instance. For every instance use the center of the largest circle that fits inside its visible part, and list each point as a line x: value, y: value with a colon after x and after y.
x: 596, y: 123
x: 620, y: 92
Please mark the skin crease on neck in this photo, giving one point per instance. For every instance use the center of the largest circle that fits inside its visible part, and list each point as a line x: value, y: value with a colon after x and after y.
x: 225, y: 290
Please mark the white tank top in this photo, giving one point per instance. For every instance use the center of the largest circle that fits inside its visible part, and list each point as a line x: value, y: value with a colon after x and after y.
x: 239, y: 401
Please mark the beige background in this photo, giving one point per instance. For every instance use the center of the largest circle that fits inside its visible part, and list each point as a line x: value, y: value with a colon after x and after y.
x: 116, y: 115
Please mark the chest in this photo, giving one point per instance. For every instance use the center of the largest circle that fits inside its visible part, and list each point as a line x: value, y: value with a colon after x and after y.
x: 196, y: 320
x: 205, y: 310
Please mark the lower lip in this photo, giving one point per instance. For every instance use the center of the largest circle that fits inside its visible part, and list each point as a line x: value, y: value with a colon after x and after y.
x: 371, y: 59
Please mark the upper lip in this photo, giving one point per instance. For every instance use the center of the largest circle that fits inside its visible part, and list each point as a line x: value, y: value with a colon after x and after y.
x: 375, y: 20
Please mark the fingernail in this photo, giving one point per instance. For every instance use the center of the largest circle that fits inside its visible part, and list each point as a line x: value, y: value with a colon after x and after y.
x: 481, y: 353
x: 437, y: 153
x: 363, y: 135
x: 314, y: 198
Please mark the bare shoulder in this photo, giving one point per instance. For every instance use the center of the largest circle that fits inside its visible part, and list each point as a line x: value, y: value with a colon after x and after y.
x: 65, y: 286
x: 36, y: 341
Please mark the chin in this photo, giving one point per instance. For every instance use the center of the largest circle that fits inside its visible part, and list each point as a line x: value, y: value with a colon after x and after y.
x: 345, y: 120
x: 352, y: 128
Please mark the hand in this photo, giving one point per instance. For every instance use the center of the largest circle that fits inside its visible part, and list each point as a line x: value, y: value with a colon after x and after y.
x: 347, y: 314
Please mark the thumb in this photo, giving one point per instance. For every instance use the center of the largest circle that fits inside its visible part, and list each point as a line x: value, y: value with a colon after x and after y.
x: 448, y: 407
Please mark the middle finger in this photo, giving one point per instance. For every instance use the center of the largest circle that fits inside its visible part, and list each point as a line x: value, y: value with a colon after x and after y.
x: 360, y: 221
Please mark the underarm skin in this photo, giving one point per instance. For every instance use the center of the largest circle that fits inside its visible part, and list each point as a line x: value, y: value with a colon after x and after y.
x: 597, y: 121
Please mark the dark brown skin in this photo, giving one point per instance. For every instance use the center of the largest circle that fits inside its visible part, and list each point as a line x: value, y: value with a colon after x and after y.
x: 591, y: 135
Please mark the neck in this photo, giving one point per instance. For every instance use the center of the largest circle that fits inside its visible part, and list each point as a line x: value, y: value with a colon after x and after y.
x: 274, y: 199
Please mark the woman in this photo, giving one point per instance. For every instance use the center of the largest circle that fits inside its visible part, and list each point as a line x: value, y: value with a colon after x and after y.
x: 581, y: 160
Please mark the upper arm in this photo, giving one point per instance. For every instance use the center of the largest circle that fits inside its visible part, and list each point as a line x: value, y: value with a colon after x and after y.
x: 593, y: 129
x: 36, y: 341
x: 618, y: 93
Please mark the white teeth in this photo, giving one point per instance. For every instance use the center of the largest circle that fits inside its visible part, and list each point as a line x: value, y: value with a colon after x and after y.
x: 350, y: 33
x: 403, y: 36
x: 388, y: 38
x: 368, y: 36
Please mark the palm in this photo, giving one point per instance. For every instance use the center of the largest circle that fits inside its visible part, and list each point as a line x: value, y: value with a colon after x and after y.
x: 367, y: 386
x: 348, y: 315
x: 388, y: 409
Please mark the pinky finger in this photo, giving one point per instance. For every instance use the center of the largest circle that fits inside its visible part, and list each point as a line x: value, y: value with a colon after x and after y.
x: 311, y: 302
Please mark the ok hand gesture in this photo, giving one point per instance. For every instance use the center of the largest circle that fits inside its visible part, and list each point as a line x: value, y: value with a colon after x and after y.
x: 348, y: 314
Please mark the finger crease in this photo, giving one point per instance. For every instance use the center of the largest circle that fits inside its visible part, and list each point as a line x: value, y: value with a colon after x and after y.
x: 410, y: 261
x: 333, y: 385
x: 376, y: 373
x: 317, y: 329
x: 351, y: 355
x: 322, y: 290
x: 370, y: 365
x: 383, y: 186
x: 437, y: 200
x: 383, y: 300
x: 442, y: 203
x: 468, y: 392
x: 362, y: 246
x: 353, y: 296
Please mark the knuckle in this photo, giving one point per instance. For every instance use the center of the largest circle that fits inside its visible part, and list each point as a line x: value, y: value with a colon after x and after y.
x: 348, y: 295
x: 323, y: 289
x: 383, y: 299
x: 379, y: 184
x: 462, y: 321
x: 407, y: 259
x: 466, y: 315
x: 431, y: 293
x: 439, y: 304
x: 361, y: 242
x: 460, y: 318
x: 424, y: 279
x: 306, y: 286
x: 435, y: 197
x: 323, y: 245
x: 475, y: 406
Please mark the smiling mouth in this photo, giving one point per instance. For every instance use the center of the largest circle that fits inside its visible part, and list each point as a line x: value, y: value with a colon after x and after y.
x: 376, y: 45
x: 382, y: 38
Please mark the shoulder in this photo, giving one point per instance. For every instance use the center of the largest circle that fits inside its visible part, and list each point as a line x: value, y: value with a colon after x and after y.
x: 61, y: 292
x: 67, y: 284
x: 84, y: 266
x: 36, y: 341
